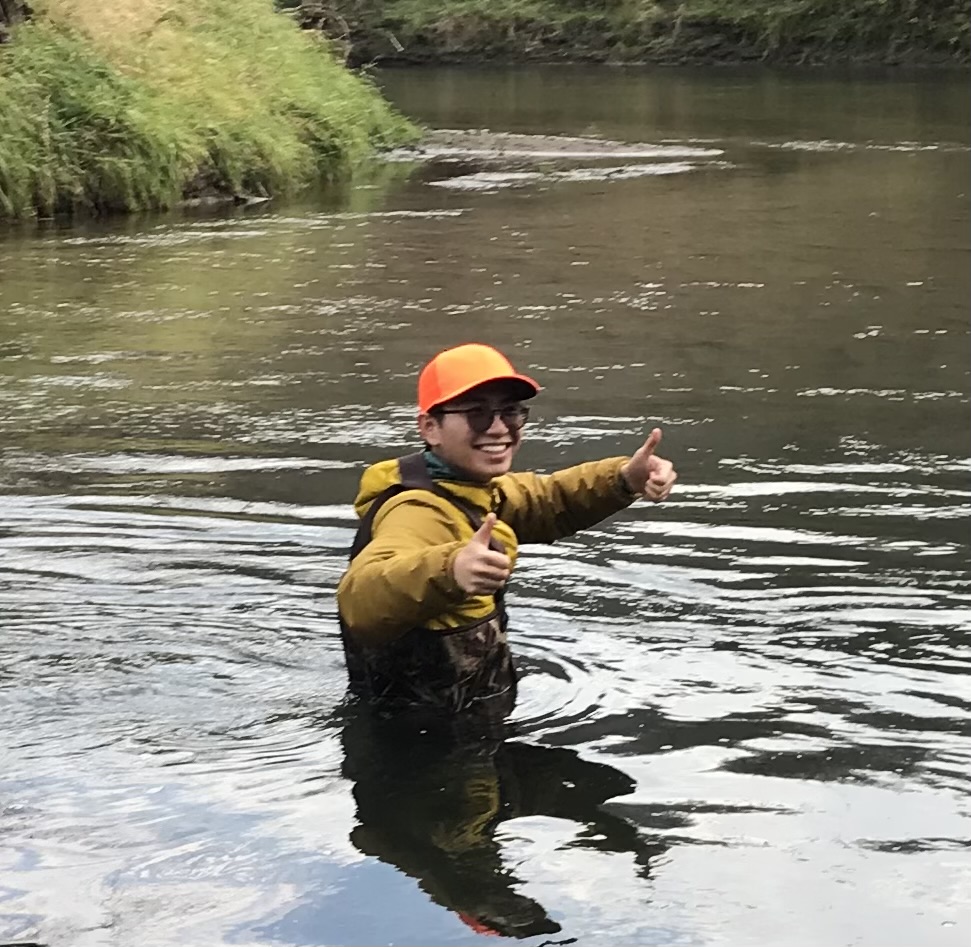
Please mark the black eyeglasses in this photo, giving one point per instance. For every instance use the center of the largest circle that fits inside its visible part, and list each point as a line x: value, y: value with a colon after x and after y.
x: 480, y: 417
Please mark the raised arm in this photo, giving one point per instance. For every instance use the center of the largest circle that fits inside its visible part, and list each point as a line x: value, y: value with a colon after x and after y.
x: 544, y: 508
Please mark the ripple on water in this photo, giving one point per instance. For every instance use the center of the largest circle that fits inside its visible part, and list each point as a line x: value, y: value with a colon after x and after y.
x: 490, y: 181
x: 828, y: 145
x: 169, y: 664
x: 769, y: 672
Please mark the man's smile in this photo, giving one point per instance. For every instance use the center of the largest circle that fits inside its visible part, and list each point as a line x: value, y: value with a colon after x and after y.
x: 494, y: 448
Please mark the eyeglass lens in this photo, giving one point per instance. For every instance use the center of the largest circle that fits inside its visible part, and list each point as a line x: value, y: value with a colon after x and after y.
x: 513, y: 416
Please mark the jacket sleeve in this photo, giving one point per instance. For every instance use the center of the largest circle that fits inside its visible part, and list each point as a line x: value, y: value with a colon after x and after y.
x: 403, y: 577
x: 542, y: 508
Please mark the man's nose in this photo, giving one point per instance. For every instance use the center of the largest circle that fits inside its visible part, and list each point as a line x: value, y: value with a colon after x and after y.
x: 497, y: 426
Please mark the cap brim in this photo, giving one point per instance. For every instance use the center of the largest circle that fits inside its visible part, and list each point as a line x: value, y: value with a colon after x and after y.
x: 527, y: 388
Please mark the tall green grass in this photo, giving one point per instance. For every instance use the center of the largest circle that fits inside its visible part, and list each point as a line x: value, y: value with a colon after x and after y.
x: 656, y: 30
x: 886, y: 28
x: 182, y: 98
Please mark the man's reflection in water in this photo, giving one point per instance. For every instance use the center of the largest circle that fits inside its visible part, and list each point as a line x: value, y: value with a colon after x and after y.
x: 431, y: 793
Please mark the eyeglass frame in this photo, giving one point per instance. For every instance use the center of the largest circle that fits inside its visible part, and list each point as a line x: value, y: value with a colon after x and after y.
x: 519, y: 411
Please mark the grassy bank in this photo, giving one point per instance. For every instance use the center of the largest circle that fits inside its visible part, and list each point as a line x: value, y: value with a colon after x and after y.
x: 804, y: 31
x: 137, y: 104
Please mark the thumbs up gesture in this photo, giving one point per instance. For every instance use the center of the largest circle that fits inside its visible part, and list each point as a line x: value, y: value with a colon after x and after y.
x: 479, y: 569
x: 648, y: 475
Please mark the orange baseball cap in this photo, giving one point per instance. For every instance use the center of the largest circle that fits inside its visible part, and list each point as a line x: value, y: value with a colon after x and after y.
x: 478, y: 926
x: 456, y: 371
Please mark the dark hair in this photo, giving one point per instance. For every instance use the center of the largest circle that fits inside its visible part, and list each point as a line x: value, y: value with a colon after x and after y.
x: 437, y: 413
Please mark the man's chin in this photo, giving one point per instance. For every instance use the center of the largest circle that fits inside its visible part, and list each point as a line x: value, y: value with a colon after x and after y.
x: 497, y: 464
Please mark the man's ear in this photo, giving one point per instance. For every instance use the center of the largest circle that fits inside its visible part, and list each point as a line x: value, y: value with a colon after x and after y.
x: 428, y: 429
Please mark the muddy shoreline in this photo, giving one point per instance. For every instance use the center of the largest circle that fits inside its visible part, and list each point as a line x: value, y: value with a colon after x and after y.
x: 486, y: 161
x: 487, y: 145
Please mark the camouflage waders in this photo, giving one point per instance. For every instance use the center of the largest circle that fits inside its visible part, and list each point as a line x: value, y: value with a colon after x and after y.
x: 468, y: 667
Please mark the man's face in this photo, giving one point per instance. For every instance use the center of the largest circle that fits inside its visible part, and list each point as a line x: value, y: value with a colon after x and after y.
x: 470, y: 433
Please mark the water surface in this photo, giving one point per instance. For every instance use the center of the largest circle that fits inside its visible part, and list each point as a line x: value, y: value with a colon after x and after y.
x: 745, y: 713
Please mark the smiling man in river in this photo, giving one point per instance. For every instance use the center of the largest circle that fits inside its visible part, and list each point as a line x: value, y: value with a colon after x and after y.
x: 423, y: 618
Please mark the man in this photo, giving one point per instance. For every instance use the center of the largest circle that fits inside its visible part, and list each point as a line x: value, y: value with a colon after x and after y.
x: 423, y: 618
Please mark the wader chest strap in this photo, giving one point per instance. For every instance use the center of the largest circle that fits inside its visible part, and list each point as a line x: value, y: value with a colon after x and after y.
x: 414, y: 476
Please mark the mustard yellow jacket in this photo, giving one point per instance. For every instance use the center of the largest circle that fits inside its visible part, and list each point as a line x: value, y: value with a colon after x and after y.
x: 403, y: 577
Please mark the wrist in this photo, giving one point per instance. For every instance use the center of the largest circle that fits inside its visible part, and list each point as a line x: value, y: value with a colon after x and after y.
x: 624, y: 484
x: 451, y: 584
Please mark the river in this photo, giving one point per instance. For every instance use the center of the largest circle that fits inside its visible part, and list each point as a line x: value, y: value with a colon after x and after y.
x: 745, y: 714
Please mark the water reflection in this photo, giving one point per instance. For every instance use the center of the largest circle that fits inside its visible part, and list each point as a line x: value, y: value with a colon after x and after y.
x: 431, y: 796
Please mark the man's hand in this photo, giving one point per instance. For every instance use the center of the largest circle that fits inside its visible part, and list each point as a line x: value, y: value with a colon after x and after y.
x: 478, y: 569
x: 648, y: 475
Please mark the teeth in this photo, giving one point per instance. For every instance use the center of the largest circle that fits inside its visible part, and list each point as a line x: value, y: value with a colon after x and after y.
x: 493, y: 448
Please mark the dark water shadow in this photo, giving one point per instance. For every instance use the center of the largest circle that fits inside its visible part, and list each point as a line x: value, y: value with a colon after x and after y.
x: 431, y: 797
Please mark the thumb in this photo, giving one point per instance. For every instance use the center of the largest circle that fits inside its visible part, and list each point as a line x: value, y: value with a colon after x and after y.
x: 650, y: 445
x: 483, y: 534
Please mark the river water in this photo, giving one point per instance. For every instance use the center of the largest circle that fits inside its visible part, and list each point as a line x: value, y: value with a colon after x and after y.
x: 745, y: 714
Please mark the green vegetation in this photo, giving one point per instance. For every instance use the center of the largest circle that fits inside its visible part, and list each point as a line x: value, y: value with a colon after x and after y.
x: 887, y: 31
x: 137, y: 104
